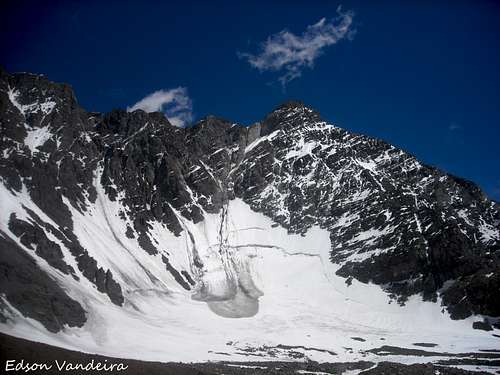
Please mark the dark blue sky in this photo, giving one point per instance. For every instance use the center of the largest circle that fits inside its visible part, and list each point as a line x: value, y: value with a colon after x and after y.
x: 421, y: 75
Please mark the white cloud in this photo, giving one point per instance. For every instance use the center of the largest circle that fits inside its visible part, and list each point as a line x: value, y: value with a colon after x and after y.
x: 175, y: 103
x: 289, y: 53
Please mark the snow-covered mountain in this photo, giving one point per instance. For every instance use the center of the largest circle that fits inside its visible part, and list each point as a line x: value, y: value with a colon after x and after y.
x: 123, y: 235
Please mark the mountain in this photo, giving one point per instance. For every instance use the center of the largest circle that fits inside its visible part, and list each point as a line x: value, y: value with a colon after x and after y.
x: 123, y: 235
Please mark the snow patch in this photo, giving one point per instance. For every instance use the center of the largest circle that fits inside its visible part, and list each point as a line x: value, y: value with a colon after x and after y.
x: 37, y: 137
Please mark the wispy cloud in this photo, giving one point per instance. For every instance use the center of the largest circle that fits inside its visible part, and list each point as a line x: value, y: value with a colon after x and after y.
x: 454, y: 126
x: 289, y: 54
x: 175, y: 103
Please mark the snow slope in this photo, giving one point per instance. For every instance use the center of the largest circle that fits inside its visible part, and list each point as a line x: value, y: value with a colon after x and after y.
x: 283, y: 285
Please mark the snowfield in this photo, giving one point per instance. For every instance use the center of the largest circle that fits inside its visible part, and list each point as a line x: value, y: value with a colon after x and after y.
x: 260, y: 293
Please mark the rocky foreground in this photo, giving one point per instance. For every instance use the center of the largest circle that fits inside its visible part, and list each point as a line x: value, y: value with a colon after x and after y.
x: 28, y: 353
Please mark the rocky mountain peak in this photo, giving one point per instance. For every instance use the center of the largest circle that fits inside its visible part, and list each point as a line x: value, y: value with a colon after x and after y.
x: 33, y: 93
x: 127, y: 123
x: 291, y: 104
x: 288, y: 116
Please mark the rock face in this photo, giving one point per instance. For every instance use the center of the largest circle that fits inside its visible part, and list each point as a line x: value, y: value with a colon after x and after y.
x: 27, y: 288
x: 393, y: 221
